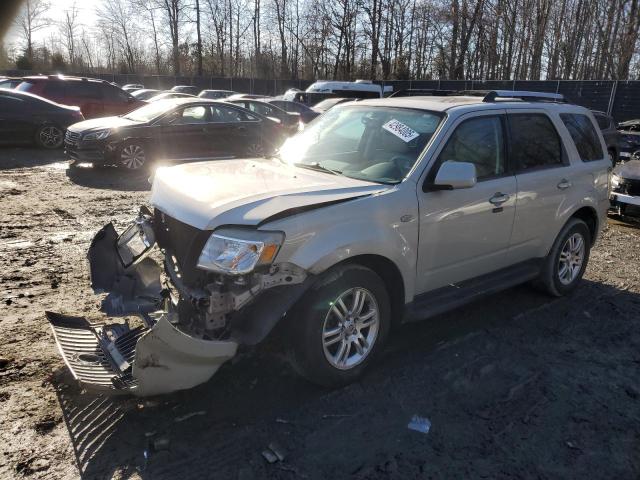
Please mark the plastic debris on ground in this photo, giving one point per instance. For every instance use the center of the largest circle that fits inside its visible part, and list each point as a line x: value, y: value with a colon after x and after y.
x: 419, y: 424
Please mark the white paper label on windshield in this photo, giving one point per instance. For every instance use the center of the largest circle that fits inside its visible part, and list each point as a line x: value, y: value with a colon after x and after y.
x: 400, y: 130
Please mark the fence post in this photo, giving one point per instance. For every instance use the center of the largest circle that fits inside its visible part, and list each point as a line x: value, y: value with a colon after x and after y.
x: 612, y: 98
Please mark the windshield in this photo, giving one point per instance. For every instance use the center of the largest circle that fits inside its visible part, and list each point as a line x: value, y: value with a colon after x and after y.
x: 378, y: 144
x: 150, y: 111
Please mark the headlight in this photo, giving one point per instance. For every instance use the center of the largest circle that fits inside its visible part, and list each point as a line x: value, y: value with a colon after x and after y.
x: 615, y: 180
x: 99, y: 135
x: 237, y: 252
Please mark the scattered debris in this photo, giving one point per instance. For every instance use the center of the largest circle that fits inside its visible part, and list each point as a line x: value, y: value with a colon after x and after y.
x: 274, y: 453
x: 335, y: 415
x: 189, y: 415
x: 419, y: 424
x: 282, y: 420
x: 278, y: 450
x: 573, y: 446
x: 161, y: 443
x: 269, y: 456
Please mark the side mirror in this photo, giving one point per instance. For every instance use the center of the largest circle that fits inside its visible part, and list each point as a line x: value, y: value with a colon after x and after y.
x: 452, y: 175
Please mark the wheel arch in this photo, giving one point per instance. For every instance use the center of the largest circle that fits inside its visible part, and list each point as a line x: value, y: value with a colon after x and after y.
x: 390, y: 275
x: 589, y: 216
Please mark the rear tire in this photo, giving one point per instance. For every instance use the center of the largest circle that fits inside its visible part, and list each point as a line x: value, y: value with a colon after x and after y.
x: 340, y: 326
x: 565, y: 265
x: 49, y: 137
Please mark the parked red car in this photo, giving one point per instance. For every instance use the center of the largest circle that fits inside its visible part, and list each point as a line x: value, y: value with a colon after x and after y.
x: 96, y: 98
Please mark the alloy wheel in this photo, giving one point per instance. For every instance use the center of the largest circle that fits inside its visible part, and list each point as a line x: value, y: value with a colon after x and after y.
x: 350, y: 328
x: 571, y: 259
x: 255, y: 150
x: 50, y: 136
x: 132, y: 157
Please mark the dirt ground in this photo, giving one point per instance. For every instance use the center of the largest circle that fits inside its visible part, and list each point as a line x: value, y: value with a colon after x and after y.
x: 519, y: 385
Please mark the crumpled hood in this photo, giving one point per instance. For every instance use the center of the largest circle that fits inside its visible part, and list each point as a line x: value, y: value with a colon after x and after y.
x: 629, y: 170
x: 206, y: 195
x: 100, y: 123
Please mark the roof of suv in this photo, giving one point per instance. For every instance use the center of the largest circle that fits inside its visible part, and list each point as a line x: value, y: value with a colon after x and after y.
x: 488, y: 102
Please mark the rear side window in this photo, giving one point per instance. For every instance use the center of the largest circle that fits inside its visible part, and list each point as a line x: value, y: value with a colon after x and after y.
x: 85, y: 89
x: 478, y: 141
x: 112, y: 94
x: 535, y: 143
x: 53, y: 89
x: 584, y: 136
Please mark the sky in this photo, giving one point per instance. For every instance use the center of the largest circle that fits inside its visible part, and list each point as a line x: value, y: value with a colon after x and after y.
x: 86, y: 15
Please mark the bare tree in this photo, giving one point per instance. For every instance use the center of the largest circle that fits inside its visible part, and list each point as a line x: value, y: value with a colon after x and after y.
x: 32, y: 18
x: 68, y: 31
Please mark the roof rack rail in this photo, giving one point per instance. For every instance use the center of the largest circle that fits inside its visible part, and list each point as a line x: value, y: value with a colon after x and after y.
x: 418, y: 92
x: 524, y: 95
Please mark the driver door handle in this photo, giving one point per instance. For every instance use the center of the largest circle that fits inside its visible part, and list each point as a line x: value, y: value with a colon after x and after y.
x: 499, y: 198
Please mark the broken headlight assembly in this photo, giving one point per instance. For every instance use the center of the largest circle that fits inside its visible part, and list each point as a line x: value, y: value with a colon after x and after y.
x: 238, y: 251
x: 137, y: 240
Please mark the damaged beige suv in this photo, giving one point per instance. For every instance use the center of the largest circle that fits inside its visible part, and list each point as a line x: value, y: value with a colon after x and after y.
x: 380, y: 212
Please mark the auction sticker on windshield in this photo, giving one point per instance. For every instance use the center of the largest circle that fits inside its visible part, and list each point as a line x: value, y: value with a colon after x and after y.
x: 400, y: 130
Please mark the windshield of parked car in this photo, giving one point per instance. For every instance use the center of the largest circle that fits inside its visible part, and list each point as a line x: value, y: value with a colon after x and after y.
x: 150, y: 111
x: 379, y: 144
x: 328, y: 103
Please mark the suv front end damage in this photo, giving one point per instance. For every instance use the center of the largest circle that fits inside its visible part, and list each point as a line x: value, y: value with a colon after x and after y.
x: 189, y: 319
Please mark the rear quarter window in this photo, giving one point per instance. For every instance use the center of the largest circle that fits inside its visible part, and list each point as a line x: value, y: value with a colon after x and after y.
x: 584, y: 136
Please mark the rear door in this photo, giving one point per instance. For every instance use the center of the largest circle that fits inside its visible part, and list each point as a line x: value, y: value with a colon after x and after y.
x: 88, y: 96
x: 184, y: 133
x: 233, y: 131
x: 546, y: 181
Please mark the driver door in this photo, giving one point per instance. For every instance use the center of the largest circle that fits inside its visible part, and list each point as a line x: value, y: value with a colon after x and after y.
x: 466, y: 232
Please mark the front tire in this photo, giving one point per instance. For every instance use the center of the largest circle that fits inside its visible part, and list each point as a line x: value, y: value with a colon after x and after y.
x: 133, y: 156
x: 49, y: 137
x: 567, y: 260
x: 340, y: 326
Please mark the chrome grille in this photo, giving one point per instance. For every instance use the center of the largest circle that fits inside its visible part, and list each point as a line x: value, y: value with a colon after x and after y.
x: 72, y: 138
x: 79, y: 345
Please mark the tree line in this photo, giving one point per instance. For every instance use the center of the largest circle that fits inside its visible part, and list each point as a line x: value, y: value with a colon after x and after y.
x: 339, y: 39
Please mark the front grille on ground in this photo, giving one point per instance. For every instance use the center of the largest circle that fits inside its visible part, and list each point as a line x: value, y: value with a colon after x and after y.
x: 79, y: 345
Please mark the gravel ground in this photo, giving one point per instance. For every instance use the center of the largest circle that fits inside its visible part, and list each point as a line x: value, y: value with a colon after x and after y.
x: 519, y: 385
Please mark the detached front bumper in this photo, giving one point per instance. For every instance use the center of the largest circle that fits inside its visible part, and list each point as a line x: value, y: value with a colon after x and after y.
x: 182, y: 332
x: 152, y: 358
x: 142, y: 361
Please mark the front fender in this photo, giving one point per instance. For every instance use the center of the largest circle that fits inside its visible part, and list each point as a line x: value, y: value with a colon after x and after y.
x: 384, y: 225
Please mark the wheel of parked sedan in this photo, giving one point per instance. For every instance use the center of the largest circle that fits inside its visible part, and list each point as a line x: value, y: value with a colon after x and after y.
x: 49, y: 136
x: 567, y: 260
x: 132, y: 156
x: 255, y: 149
x: 635, y: 155
x: 341, y: 325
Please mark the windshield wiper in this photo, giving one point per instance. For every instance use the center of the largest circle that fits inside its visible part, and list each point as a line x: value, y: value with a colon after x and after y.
x: 318, y: 167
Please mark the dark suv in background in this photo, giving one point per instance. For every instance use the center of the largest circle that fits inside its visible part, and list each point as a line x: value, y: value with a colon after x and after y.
x: 96, y: 98
x: 611, y: 136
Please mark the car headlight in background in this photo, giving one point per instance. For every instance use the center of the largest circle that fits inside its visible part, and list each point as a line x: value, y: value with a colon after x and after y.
x: 237, y: 251
x: 99, y: 135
